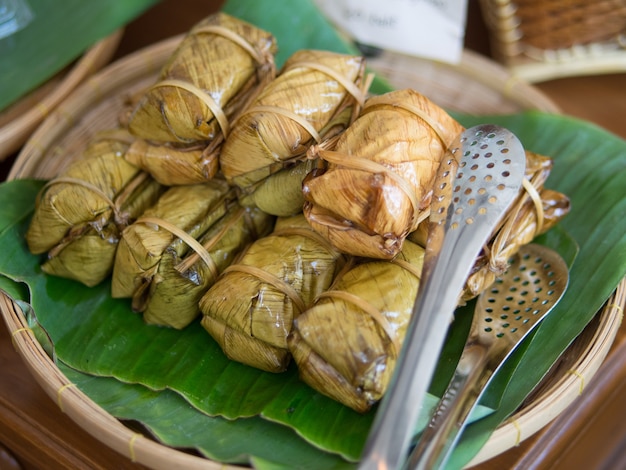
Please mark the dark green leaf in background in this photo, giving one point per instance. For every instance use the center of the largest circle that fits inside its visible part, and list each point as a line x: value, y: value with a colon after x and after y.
x: 19, y: 197
x: 60, y: 31
x: 296, y: 25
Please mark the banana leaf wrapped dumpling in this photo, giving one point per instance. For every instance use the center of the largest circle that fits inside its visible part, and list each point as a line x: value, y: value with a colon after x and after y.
x: 152, y: 248
x: 207, y: 79
x: 346, y: 344
x: 81, y: 213
x: 249, y: 311
x: 535, y: 211
x: 183, y: 118
x: 171, y: 296
x: 280, y: 193
x: 377, y: 185
x: 312, y: 99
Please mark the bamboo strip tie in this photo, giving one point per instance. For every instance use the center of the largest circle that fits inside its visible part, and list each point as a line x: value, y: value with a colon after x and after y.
x: 185, y: 237
x: 581, y: 377
x: 131, y: 446
x: 203, y: 96
x: 60, y: 393
x: 518, y: 428
x: 14, y: 333
x: 272, y: 280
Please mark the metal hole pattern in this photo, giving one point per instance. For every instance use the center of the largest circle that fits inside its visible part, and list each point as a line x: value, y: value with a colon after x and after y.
x: 468, y: 190
x: 516, y: 301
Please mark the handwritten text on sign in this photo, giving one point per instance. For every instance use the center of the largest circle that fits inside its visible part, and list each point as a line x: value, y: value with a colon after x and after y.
x: 433, y: 29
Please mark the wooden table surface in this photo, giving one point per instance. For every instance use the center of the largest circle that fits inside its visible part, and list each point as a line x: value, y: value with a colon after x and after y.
x: 591, y: 433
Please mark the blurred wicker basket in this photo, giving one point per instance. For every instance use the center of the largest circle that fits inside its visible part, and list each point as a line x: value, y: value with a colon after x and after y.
x: 96, y: 105
x: 539, y: 40
x: 20, y: 119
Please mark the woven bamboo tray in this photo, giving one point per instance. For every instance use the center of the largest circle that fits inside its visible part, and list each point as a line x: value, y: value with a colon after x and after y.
x: 96, y: 105
x: 540, y: 40
x: 20, y: 119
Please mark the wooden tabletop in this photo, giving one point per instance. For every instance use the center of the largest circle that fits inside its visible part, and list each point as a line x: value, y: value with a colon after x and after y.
x: 591, y: 433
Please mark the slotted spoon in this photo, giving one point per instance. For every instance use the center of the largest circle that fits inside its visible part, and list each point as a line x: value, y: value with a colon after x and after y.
x: 477, y: 181
x: 504, y: 315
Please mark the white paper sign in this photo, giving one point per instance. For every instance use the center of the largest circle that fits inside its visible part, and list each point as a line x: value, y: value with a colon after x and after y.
x: 434, y: 29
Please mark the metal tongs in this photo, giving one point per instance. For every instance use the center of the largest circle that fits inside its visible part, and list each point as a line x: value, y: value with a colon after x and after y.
x: 478, y: 180
x: 504, y: 316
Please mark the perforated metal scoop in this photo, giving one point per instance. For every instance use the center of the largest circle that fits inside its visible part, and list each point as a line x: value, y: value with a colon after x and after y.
x: 477, y: 181
x: 504, y: 315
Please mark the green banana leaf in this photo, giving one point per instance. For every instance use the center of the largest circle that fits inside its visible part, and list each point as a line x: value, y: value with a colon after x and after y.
x: 172, y: 420
x: 59, y: 32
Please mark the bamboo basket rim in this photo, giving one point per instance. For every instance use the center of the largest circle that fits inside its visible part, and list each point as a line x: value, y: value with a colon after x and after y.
x: 141, y: 449
x: 19, y: 120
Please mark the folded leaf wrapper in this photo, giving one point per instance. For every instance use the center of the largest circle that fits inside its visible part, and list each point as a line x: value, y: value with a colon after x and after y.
x: 297, y: 109
x: 378, y: 182
x: 280, y: 193
x: 81, y: 213
x: 173, y: 165
x: 346, y: 345
x: 250, y: 310
x: 151, y: 249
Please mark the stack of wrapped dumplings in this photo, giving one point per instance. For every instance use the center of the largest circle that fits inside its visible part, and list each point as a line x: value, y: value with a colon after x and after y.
x: 282, y: 210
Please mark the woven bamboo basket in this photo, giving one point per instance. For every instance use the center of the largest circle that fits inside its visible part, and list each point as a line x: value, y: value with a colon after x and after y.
x: 20, y: 119
x: 540, y: 40
x: 96, y: 105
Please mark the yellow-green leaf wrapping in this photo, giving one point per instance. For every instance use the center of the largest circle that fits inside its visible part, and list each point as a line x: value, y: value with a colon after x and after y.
x: 520, y: 225
x: 345, y: 351
x: 248, y: 315
x: 378, y: 187
x: 174, y: 292
x: 212, y: 63
x: 281, y: 193
x: 192, y: 209
x: 173, y: 165
x: 80, y: 214
x: 262, y: 140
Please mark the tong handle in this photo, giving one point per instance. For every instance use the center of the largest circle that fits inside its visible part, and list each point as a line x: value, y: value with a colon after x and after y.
x: 399, y: 410
x: 450, y: 417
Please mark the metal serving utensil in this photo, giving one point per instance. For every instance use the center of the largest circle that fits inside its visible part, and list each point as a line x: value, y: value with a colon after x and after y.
x: 478, y: 179
x: 504, y: 315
